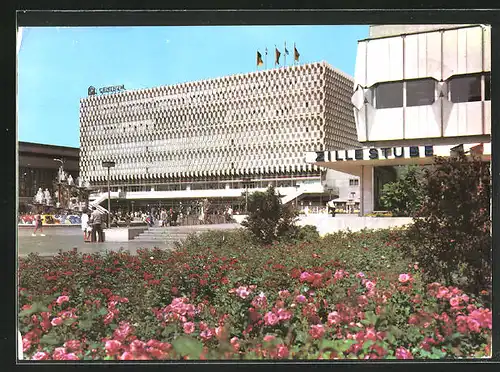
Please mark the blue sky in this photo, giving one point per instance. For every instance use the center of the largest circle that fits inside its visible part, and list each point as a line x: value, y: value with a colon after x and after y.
x: 56, y: 65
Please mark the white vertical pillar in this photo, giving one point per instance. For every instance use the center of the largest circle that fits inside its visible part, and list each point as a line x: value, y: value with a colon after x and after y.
x: 367, y: 193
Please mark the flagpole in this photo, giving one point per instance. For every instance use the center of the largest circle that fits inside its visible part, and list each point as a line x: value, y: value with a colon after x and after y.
x: 285, y: 55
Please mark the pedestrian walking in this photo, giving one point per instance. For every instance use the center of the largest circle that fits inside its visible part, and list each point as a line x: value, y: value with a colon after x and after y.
x: 38, y: 225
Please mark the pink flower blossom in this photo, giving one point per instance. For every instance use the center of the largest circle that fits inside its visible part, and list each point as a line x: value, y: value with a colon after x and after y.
x: 269, y: 338
x: 442, y: 292
x: 317, y: 331
x: 122, y: 332
x: 284, y: 294
x: 271, y: 318
x: 58, y: 353
x: 137, y: 347
x: 333, y: 318
x: 40, y: 355
x: 235, y: 344
x: 259, y: 301
x: 243, y: 292
x: 69, y: 356
x: 113, y: 347
x: 360, y: 275
x: 126, y: 356
x: 72, y: 345
x: 188, y: 327
x: 369, y: 285
x: 283, y: 351
x: 300, y: 299
x: 306, y: 277
x: 339, y: 274
x: 26, y: 344
x: 402, y: 353
x: 207, y: 334
x: 455, y: 301
x: 403, y: 278
x: 284, y: 315
x: 62, y: 299
x: 474, y: 325
x: 56, y: 321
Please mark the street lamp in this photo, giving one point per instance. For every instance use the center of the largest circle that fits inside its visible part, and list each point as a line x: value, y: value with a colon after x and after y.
x: 109, y: 165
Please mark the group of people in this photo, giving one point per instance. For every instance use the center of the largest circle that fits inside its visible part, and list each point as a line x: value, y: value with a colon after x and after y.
x: 92, y: 226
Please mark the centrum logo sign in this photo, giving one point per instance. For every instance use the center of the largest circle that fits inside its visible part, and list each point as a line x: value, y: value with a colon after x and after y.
x: 113, y: 89
x: 116, y: 88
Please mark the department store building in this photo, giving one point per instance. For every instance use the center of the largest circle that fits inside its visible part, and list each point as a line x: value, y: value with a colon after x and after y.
x: 420, y: 91
x: 216, y: 138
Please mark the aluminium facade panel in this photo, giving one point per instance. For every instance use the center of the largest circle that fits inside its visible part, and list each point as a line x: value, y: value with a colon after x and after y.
x: 241, y: 125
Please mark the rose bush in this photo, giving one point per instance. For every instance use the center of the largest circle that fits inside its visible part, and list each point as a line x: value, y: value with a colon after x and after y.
x: 220, y: 296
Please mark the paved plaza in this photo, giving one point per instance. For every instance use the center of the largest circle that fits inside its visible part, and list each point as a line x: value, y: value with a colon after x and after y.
x: 67, y: 238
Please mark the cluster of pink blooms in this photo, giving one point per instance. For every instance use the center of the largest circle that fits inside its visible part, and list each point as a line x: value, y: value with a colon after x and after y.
x: 243, y: 291
x: 260, y: 301
x: 277, y: 315
x: 474, y: 322
x: 180, y: 309
x: 138, y: 350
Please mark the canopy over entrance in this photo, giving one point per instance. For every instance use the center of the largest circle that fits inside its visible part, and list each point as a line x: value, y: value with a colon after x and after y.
x: 352, y: 161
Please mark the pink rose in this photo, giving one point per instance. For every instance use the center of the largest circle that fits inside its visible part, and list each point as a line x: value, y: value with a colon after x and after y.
x: 40, y: 355
x: 284, y: 294
x: 339, y: 274
x: 333, y: 318
x: 283, y: 352
x: 402, y: 353
x: 56, y: 321
x: 26, y: 344
x: 243, y: 292
x: 137, y: 346
x: 317, y: 331
x: 58, y: 353
x: 300, y: 299
x: 403, y: 278
x: 188, y: 327
x: 72, y: 345
x: 454, y: 301
x: 271, y: 319
x: 235, y: 344
x: 369, y: 285
x: 206, y: 334
x: 474, y: 325
x: 112, y: 347
x: 62, y: 299
x: 70, y: 356
x: 269, y: 338
x: 284, y: 315
x: 126, y: 356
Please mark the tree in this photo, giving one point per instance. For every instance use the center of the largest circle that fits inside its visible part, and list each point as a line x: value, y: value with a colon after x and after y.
x: 268, y: 219
x: 404, y: 196
x: 451, y: 234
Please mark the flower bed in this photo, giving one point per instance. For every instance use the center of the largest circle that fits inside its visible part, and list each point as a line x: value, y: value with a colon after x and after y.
x: 345, y: 296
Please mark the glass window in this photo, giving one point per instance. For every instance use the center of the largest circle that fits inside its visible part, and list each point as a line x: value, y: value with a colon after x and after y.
x: 389, y: 95
x: 420, y: 92
x: 465, y: 88
x: 353, y: 182
x: 487, y: 87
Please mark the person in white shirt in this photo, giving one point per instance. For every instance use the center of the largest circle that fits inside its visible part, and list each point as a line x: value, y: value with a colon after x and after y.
x: 85, y: 225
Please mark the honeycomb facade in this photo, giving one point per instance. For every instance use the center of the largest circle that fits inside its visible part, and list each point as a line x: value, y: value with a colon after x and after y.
x: 258, y: 124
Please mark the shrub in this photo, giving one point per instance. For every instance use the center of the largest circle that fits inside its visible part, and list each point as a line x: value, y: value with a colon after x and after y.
x: 268, y: 219
x: 452, y: 239
x: 331, y: 299
x: 404, y: 196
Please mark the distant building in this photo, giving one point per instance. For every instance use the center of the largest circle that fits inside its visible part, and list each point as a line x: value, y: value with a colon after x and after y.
x: 419, y: 92
x: 37, y: 168
x: 215, y: 138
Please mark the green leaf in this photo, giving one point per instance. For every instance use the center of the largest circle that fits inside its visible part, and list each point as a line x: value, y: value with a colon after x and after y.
x: 85, y: 324
x: 69, y: 321
x: 102, y: 311
x: 113, y: 326
x: 50, y: 339
x: 188, y: 346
